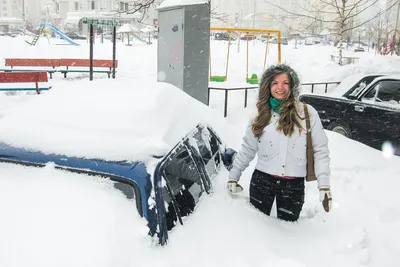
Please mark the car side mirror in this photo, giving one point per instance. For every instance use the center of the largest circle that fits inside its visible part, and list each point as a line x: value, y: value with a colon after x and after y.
x: 228, y: 157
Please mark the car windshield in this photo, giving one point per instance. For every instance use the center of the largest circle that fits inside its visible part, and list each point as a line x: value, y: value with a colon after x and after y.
x: 346, y: 84
x: 183, y: 187
x: 185, y: 179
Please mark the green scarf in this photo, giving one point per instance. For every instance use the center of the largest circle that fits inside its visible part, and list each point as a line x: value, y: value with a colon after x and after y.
x: 275, y: 104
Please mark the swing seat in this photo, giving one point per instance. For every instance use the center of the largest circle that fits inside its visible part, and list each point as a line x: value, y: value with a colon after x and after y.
x: 253, y: 79
x: 217, y: 78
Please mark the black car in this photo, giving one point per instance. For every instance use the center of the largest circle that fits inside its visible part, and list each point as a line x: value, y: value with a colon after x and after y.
x: 367, y: 110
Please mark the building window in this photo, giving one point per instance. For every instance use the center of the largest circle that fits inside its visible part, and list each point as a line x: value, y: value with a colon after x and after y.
x: 126, y: 6
x: 76, y: 5
x: 93, y: 5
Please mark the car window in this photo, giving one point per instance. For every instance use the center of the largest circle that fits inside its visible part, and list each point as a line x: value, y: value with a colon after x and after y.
x: 385, y: 92
x: 359, y: 88
x: 183, y: 187
x: 370, y: 96
x: 389, y: 92
x: 126, y: 189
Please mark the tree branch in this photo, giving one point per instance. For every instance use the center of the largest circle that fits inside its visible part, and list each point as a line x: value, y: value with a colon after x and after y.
x: 299, y: 15
x: 218, y: 16
x: 374, y: 17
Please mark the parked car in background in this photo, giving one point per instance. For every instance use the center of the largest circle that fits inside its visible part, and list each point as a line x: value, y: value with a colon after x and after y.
x: 309, y: 41
x: 248, y: 37
x: 75, y: 36
x: 224, y: 36
x: 263, y: 38
x: 284, y: 41
x: 366, y: 110
x: 359, y: 49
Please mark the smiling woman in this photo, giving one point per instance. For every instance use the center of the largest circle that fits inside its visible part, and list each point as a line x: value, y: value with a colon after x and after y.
x: 278, y: 134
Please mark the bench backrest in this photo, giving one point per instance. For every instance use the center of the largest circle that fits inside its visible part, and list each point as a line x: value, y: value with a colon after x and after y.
x: 23, y: 77
x: 32, y: 62
x: 70, y: 62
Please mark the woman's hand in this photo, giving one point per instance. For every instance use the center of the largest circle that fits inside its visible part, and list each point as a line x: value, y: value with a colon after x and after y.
x: 325, y: 196
x: 234, y: 187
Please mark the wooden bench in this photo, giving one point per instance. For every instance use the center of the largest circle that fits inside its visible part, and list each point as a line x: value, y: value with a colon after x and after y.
x: 85, y: 63
x: 32, y: 62
x: 24, y: 77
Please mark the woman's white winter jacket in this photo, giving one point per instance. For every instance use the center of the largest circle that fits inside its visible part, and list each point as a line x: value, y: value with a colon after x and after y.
x: 285, y: 155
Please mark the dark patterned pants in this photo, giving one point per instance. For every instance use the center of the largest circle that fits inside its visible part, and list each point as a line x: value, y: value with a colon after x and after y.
x: 289, y: 195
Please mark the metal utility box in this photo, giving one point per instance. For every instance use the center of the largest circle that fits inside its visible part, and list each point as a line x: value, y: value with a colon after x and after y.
x: 183, y: 48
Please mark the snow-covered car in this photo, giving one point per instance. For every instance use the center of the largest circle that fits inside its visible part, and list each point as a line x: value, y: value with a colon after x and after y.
x: 157, y: 145
x: 75, y: 36
x: 224, y: 36
x: 309, y: 41
x: 359, y: 49
x: 363, y: 108
x: 284, y: 41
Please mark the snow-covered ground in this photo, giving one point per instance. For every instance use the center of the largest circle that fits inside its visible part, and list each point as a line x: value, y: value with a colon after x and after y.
x: 53, y: 218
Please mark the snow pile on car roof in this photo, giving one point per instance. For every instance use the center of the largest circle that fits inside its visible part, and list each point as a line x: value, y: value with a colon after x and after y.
x: 109, y: 119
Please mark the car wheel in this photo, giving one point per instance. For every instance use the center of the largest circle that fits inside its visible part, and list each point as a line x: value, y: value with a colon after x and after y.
x: 340, y: 127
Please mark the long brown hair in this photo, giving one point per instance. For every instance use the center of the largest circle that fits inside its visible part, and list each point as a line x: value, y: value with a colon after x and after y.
x: 289, y: 117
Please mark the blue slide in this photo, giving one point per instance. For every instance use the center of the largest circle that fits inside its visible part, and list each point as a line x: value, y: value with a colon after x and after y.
x: 56, y: 31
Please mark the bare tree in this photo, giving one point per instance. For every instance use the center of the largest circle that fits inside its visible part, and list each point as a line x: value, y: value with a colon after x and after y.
x: 339, y: 16
x: 142, y: 6
x: 214, y: 14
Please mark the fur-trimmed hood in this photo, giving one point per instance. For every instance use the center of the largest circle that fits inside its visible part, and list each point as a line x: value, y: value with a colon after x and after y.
x: 283, y: 68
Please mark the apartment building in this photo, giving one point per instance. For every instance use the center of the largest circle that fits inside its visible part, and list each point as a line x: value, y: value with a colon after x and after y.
x: 26, y: 12
x: 11, y: 14
x: 11, y: 8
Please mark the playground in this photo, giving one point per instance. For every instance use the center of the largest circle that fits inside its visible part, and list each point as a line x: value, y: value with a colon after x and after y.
x: 138, y: 62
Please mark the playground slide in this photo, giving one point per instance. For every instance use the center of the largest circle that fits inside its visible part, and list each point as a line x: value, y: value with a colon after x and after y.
x: 56, y: 31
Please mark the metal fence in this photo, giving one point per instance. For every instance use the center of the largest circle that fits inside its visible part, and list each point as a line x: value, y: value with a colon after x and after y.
x: 227, y: 89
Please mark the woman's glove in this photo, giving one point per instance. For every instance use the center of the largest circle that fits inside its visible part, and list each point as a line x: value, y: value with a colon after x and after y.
x: 325, y: 196
x: 234, y: 187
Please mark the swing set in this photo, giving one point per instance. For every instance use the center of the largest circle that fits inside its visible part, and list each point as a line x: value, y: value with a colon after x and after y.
x: 253, y: 79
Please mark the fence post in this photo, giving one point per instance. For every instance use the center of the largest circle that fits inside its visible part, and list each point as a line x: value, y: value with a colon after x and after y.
x: 312, y: 88
x: 245, y: 97
x: 326, y: 88
x: 226, y: 103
